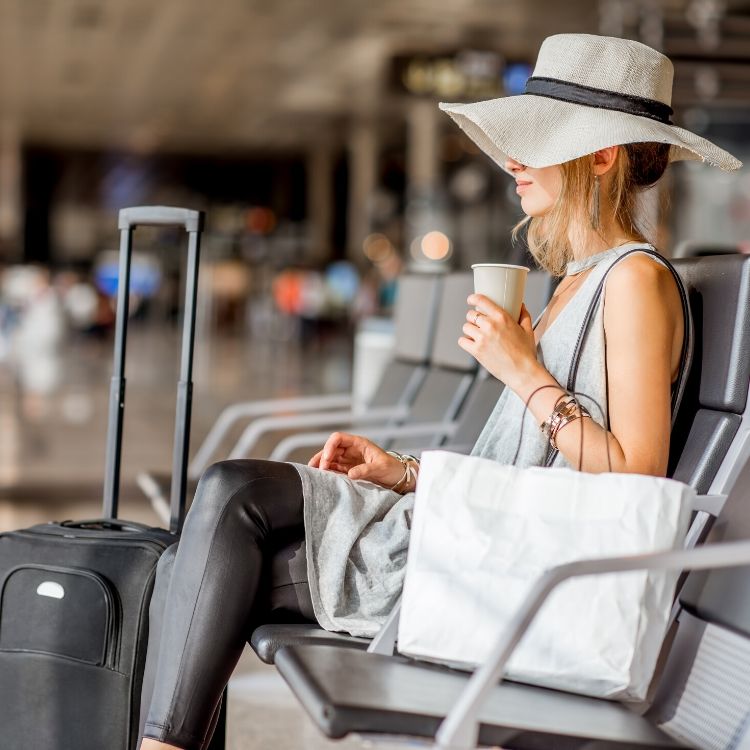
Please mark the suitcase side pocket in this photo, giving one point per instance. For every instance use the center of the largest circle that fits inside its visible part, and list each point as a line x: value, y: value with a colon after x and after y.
x: 65, y: 612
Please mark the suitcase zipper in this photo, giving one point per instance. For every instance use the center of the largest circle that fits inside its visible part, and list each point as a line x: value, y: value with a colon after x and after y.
x: 59, y: 532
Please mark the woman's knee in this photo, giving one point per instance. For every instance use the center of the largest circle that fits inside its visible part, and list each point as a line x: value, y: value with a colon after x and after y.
x: 220, y: 486
x: 227, y: 487
x: 226, y: 477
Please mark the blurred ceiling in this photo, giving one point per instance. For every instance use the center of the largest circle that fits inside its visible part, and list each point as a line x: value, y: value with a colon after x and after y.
x: 286, y: 74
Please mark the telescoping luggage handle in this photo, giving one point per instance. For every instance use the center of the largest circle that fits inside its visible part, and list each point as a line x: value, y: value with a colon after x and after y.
x: 129, y: 219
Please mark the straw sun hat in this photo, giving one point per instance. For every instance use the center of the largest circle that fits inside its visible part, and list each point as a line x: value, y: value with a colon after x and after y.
x: 586, y: 93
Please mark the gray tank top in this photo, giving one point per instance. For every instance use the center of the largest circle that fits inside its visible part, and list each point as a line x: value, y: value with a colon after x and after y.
x: 499, y: 440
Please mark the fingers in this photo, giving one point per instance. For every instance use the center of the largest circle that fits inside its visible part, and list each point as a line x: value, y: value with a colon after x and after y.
x: 525, y: 320
x: 361, y: 471
x: 485, y: 306
x: 314, y: 462
x: 333, y: 464
x: 474, y: 317
x: 470, y: 331
x: 330, y: 449
x: 468, y: 345
x: 341, y: 448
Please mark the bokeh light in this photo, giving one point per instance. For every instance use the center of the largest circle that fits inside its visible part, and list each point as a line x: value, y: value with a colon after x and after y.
x: 377, y: 248
x: 260, y: 220
x: 435, y: 245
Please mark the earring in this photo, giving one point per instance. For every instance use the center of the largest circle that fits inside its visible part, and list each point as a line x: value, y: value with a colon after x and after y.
x: 595, y: 223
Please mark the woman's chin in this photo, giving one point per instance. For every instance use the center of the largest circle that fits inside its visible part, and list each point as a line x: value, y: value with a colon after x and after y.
x: 533, y: 212
x: 534, y: 209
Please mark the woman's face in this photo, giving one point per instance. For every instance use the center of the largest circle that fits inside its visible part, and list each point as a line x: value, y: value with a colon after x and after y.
x: 538, y: 187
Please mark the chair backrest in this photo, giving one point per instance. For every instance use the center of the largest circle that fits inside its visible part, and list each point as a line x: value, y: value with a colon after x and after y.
x: 474, y: 413
x: 696, y: 249
x: 708, y: 447
x: 449, y: 319
x: 417, y: 300
x: 414, y: 318
x: 703, y: 696
x: 539, y: 288
x: 451, y: 370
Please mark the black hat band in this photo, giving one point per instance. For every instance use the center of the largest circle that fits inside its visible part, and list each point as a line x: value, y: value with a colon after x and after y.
x: 554, y: 88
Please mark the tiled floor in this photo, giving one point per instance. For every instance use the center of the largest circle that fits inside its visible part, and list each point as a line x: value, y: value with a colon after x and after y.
x: 52, y: 448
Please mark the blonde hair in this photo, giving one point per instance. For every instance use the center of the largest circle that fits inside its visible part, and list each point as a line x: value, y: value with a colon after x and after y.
x: 637, y: 166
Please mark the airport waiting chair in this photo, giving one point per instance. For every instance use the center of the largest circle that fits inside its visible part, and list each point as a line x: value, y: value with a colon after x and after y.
x: 437, y: 398
x: 413, y: 436
x: 346, y: 690
x: 710, y: 441
x: 701, y: 699
x: 697, y: 249
x: 538, y: 292
x: 417, y: 432
x: 711, y: 438
x: 414, y: 318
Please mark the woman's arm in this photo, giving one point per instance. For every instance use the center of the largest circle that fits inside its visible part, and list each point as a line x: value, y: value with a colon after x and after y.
x: 643, y: 329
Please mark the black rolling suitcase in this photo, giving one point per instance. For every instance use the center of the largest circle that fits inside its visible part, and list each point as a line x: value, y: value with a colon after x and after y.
x: 74, y: 596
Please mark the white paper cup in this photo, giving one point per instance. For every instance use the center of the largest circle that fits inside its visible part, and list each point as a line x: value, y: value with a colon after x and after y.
x: 503, y: 284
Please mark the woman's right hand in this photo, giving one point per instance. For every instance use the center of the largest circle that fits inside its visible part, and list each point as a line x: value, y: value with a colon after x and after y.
x: 358, y: 458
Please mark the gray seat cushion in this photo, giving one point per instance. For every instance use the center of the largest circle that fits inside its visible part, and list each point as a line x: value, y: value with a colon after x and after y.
x: 346, y: 690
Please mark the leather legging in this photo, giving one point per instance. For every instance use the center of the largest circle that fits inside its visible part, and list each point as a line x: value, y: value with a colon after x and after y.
x: 241, y: 555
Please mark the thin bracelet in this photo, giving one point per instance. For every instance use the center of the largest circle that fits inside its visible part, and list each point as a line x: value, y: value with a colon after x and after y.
x: 410, y: 474
x: 403, y: 457
x: 409, y: 471
x: 561, y: 407
x: 568, y: 412
x: 404, y: 475
x: 567, y: 420
x: 567, y: 409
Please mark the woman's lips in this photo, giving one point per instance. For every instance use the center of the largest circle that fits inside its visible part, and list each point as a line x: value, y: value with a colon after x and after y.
x: 521, y: 186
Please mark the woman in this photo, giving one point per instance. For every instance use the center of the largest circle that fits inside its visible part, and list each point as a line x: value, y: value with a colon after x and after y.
x: 592, y: 129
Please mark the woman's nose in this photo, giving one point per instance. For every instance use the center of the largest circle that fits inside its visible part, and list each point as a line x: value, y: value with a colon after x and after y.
x: 511, y: 165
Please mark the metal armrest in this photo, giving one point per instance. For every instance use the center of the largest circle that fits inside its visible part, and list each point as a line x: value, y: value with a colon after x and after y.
x: 248, y: 409
x: 385, y: 641
x: 710, y: 504
x: 460, y: 728
x: 312, y: 439
x: 254, y: 431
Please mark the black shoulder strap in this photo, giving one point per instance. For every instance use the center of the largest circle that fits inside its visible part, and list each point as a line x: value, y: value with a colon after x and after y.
x: 686, y: 354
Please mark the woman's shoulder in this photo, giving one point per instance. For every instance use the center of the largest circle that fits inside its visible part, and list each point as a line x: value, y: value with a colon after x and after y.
x: 642, y: 280
x: 640, y: 272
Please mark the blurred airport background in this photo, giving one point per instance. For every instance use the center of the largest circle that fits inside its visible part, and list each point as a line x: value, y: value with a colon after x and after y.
x: 310, y: 133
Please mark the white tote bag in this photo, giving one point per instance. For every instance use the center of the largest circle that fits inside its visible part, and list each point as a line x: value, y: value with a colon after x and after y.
x: 482, y: 533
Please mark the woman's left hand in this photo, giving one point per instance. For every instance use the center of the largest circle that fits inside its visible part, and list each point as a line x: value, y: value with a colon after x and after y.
x: 505, y: 348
